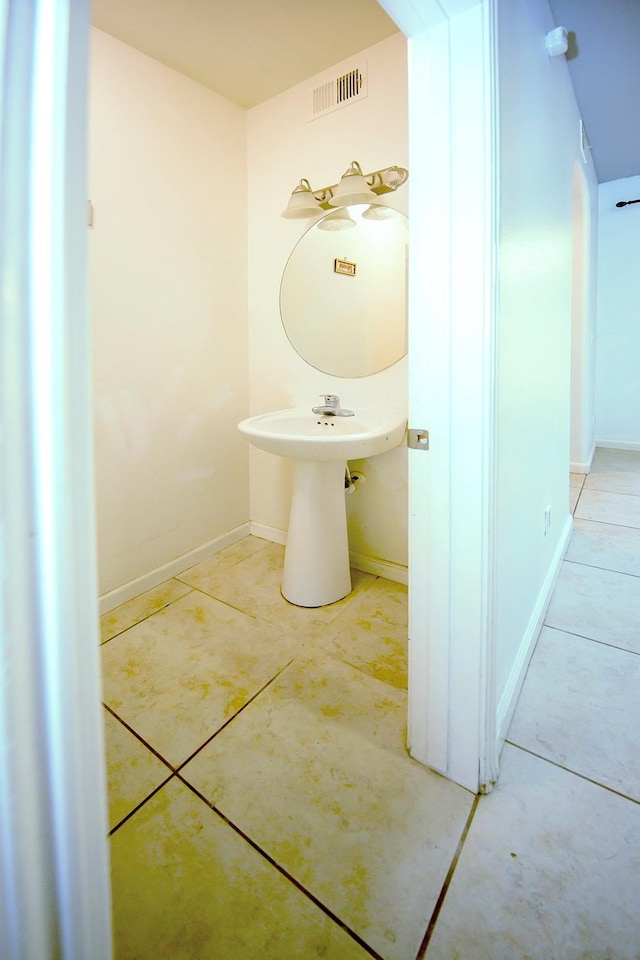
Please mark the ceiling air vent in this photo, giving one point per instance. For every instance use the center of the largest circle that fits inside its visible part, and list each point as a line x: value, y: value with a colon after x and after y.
x: 338, y: 92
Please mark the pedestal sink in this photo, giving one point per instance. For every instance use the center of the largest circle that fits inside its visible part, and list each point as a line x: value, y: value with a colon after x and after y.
x: 316, y: 565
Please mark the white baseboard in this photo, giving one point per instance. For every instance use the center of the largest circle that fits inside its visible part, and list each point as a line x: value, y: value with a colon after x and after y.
x: 265, y: 532
x: 361, y: 561
x: 513, y: 686
x: 619, y: 444
x: 155, y: 577
x: 585, y: 465
x: 379, y: 567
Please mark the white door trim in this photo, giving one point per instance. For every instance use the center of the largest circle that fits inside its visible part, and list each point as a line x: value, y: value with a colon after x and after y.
x: 452, y: 358
x: 583, y: 333
x: 54, y: 877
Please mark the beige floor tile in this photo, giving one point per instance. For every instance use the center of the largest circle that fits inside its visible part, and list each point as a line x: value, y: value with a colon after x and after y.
x: 133, y: 771
x: 605, y: 545
x: 580, y: 708
x: 617, y: 508
x: 187, y: 887
x: 141, y: 607
x: 315, y: 771
x: 617, y: 471
x: 371, y: 633
x: 254, y: 588
x: 223, y: 561
x: 576, y: 479
x: 178, y: 676
x: 599, y: 604
x: 384, y: 601
x: 549, y: 871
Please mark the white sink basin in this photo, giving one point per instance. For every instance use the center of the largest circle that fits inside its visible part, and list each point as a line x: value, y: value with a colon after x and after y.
x: 316, y: 565
x: 302, y: 435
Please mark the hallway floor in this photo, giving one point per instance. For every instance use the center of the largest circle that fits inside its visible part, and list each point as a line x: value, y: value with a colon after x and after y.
x: 263, y: 805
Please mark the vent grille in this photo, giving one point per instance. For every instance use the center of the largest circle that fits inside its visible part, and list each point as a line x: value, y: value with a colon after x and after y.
x: 338, y: 92
x: 348, y: 86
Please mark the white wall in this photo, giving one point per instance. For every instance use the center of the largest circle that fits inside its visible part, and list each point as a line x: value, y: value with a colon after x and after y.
x: 168, y: 306
x: 539, y: 128
x: 282, y: 148
x: 618, y: 362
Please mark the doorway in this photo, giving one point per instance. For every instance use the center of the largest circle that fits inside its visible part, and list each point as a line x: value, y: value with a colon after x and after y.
x: 452, y: 698
x: 452, y: 704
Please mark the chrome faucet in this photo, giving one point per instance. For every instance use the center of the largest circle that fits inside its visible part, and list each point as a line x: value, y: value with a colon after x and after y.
x: 331, y: 406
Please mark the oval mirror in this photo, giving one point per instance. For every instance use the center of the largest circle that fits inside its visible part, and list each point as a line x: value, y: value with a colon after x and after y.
x: 343, y: 295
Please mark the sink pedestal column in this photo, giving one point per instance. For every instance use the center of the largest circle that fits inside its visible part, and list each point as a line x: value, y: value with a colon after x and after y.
x: 316, y: 562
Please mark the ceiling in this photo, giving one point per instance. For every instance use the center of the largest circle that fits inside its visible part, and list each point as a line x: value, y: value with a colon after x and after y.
x: 246, y: 50
x: 251, y: 50
x: 604, y: 63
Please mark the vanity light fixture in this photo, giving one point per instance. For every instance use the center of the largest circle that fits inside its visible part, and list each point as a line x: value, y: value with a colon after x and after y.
x: 303, y: 203
x: 354, y: 187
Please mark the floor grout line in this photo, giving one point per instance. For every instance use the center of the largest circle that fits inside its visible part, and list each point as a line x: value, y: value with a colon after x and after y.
x: 120, y: 823
x: 173, y: 770
x: 232, y: 606
x: 235, y: 715
x: 615, y: 493
x: 422, y: 950
x: 138, y: 737
x: 254, y: 616
x: 575, y: 773
x: 596, y: 566
x: 604, y: 643
x: 581, y: 563
x: 608, y: 523
x: 147, y: 616
x: 283, y: 871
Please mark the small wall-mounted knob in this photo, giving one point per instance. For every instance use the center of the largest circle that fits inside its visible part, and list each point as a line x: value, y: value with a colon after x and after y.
x: 556, y: 42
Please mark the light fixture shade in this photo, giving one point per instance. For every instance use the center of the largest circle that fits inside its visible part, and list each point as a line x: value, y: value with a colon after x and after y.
x: 339, y: 220
x: 302, y: 203
x: 378, y: 211
x: 353, y: 188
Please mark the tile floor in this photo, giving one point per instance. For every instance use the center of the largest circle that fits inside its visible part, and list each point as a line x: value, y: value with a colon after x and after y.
x: 263, y: 805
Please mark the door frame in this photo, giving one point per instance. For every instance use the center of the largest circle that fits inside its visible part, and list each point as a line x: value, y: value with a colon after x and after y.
x: 54, y: 859
x: 583, y: 334
x: 453, y: 158
x: 54, y: 867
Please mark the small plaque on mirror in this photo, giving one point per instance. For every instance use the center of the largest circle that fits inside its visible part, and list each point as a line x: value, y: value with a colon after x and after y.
x: 344, y: 266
